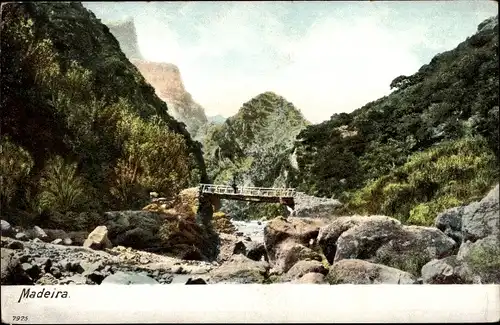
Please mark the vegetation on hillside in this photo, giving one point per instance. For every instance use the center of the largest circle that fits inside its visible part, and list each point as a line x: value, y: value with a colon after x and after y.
x: 431, y: 144
x: 81, y: 128
x: 254, y: 146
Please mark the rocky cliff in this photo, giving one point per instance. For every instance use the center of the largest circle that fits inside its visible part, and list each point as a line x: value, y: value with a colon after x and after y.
x: 164, y: 77
x: 166, y: 80
x: 126, y: 35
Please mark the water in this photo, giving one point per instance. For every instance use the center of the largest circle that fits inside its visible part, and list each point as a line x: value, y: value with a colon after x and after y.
x: 253, y: 229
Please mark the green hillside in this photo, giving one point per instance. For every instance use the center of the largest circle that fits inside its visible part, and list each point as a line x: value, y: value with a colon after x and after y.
x: 81, y: 128
x: 429, y: 145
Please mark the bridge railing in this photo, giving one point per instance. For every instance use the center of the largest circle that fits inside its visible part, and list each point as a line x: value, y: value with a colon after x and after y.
x: 247, y: 191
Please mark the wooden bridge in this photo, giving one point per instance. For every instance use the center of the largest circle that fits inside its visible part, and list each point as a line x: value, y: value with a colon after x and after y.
x: 252, y: 194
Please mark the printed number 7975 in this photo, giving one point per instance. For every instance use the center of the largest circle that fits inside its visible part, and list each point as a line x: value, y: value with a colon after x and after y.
x: 20, y: 318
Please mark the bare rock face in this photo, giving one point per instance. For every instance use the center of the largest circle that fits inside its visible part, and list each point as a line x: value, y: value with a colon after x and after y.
x: 98, y: 239
x: 167, y: 82
x: 354, y: 271
x: 126, y: 35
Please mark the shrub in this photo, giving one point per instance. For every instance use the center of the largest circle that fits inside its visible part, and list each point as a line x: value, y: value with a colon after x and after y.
x: 15, y: 166
x: 155, y: 159
x: 61, y: 189
x: 449, y: 174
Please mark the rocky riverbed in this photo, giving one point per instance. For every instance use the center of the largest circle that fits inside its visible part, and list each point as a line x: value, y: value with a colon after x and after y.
x: 462, y: 247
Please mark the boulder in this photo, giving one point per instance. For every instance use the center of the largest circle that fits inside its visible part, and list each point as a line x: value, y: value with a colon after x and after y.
x: 365, y: 231
x: 482, y: 258
x: 12, y: 271
x: 47, y: 279
x: 6, y: 229
x: 222, y: 223
x: 10, y: 243
x: 98, y: 239
x: 21, y: 236
x: 301, y: 268
x: 136, y: 229
x: 280, y: 234
x: 354, y: 271
x: 240, y: 269
x: 446, y: 271
x: 413, y: 247
x: 128, y: 278
x: 229, y: 246
x: 288, y: 253
x: 58, y: 241
x: 78, y: 237
x: 311, y: 278
x: 54, y: 234
x: 196, y: 281
x: 383, y: 240
x: 40, y: 234
x: 256, y: 250
x: 67, y: 241
x: 474, y: 221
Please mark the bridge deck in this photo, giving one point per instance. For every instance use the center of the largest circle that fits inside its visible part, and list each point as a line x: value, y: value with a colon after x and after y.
x: 247, y: 192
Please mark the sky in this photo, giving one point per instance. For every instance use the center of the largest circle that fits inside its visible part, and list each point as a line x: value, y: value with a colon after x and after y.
x: 325, y: 57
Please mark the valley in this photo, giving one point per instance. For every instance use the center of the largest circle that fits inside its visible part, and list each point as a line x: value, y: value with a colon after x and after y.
x: 103, y: 153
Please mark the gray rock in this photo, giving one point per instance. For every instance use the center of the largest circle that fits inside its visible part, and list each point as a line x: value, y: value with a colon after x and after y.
x: 33, y: 270
x: 307, y: 206
x: 67, y: 241
x: 98, y: 239
x: 54, y: 234
x: 56, y: 272
x: 450, y: 222
x: 301, y: 268
x: 482, y: 258
x: 44, y: 263
x: 287, y: 240
x: 47, y: 279
x: 363, y: 231
x: 383, y: 240
x: 311, y: 278
x: 75, y: 279
x: 474, y: 221
x: 40, y: 234
x: 136, y: 229
x: 256, y: 250
x: 445, y: 271
x: 196, y: 281
x: 21, y: 236
x: 6, y: 229
x: 288, y: 253
x: 128, y: 278
x: 12, y: 272
x: 354, y: 271
x: 11, y: 243
x: 240, y: 269
x: 57, y: 241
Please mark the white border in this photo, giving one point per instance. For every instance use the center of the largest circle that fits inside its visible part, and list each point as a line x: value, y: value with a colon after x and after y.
x: 255, y: 303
